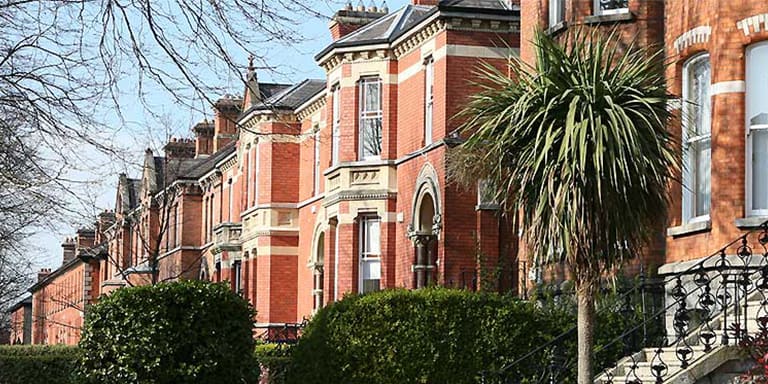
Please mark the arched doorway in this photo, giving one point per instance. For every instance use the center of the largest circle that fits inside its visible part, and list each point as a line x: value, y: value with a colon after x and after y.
x: 425, y: 243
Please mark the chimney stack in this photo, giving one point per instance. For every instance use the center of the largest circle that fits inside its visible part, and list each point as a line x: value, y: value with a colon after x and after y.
x: 86, y: 238
x: 224, y: 125
x: 430, y: 3
x: 44, y: 272
x: 180, y: 149
x: 105, y: 220
x: 203, y: 138
x: 348, y: 19
x: 69, y: 250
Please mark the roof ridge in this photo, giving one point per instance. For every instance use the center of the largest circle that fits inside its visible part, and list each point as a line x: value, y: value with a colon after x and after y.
x: 372, y: 24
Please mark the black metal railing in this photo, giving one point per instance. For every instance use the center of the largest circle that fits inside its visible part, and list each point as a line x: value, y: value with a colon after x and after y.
x: 284, y: 333
x: 716, y: 301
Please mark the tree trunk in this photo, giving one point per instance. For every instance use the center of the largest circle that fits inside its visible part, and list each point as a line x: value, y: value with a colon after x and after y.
x: 586, y: 330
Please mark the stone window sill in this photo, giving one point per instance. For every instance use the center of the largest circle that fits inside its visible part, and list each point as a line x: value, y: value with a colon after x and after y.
x: 487, y: 207
x: 557, y: 28
x: 690, y: 228
x: 608, y: 19
x: 750, y: 222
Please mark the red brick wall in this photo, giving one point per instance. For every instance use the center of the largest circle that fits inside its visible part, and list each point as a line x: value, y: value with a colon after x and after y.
x: 58, y: 306
x: 726, y: 46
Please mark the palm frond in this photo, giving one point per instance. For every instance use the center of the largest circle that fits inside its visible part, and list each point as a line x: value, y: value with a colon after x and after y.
x: 577, y: 144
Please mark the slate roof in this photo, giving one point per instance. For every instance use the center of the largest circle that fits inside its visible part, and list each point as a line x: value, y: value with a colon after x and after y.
x: 27, y: 301
x: 388, y: 28
x: 291, y: 97
x: 204, y: 165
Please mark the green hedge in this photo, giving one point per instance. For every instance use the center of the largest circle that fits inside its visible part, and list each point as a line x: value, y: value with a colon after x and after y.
x: 183, y: 332
x: 38, y: 364
x: 432, y: 335
x: 274, y: 360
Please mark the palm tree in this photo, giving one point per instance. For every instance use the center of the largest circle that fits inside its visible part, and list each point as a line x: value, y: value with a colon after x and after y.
x: 577, y: 146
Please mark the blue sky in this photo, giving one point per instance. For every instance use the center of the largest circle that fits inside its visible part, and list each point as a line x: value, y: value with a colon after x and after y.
x: 138, y: 127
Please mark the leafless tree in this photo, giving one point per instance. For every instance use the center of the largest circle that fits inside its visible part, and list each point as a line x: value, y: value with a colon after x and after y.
x: 67, y: 65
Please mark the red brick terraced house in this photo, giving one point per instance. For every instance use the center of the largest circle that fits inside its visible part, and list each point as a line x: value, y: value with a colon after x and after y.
x: 297, y: 194
x: 21, y: 322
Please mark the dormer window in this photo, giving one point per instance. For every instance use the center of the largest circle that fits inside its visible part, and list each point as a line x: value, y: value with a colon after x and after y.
x: 370, y: 119
x: 611, y: 7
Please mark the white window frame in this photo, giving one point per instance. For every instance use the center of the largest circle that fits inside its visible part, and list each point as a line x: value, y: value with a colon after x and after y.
x: 366, y: 115
x: 556, y: 12
x: 599, y: 11
x: 748, y: 131
x: 316, y: 165
x: 336, y: 133
x: 366, y: 256
x: 689, y: 184
x: 429, y: 98
x: 237, y: 269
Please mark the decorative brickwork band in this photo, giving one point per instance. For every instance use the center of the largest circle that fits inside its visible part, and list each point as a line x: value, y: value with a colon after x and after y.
x: 698, y: 35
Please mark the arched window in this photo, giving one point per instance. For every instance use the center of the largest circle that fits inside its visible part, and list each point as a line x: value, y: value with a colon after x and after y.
x: 318, y: 274
x: 697, y: 138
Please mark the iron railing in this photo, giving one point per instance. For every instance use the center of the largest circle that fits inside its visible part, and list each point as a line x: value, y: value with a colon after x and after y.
x: 716, y: 301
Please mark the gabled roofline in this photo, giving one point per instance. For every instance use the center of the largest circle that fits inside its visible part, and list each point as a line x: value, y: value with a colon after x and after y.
x: 441, y: 10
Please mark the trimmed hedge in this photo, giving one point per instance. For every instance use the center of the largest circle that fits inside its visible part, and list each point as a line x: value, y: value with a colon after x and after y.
x: 180, y: 332
x: 38, y: 364
x: 431, y: 335
x: 274, y: 360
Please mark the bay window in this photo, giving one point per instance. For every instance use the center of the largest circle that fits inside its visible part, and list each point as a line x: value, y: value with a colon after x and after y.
x: 370, y: 118
x: 697, y: 138
x: 757, y: 130
x: 611, y: 7
x: 370, y: 254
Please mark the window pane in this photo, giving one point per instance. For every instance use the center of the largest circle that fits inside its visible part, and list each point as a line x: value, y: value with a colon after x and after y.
x: 371, y: 271
x: 372, y: 98
x: 371, y: 136
x: 701, y: 103
x: 372, y: 238
x: 703, y: 161
x: 757, y: 123
x: 556, y: 11
x: 759, y: 167
x: 607, y: 5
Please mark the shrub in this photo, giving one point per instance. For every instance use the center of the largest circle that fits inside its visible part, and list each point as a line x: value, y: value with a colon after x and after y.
x: 38, y: 364
x: 274, y: 360
x: 181, y: 332
x: 432, y: 335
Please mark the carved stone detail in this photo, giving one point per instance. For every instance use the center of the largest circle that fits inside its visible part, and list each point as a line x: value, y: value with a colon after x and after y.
x: 365, y: 177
